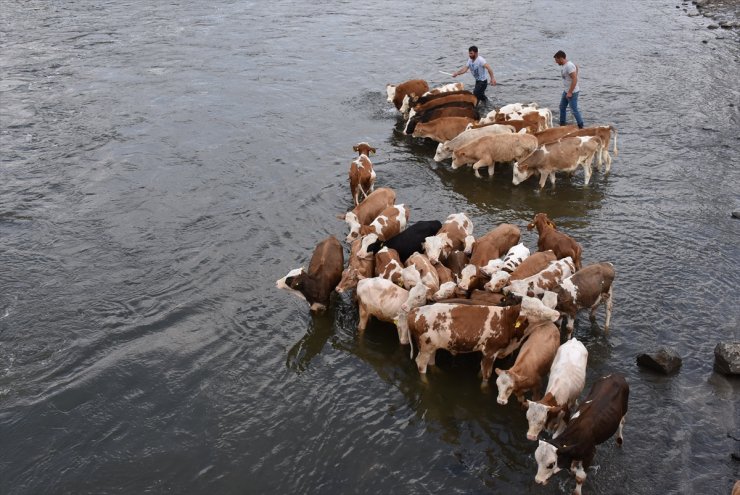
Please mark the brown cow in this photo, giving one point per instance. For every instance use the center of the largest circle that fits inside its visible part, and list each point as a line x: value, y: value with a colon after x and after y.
x: 456, y: 234
x: 604, y: 134
x: 553, y: 134
x: 486, y: 248
x: 536, y: 355
x: 367, y: 211
x: 586, y: 288
x: 396, y: 94
x: 596, y: 420
x: 550, y: 238
x: 361, y: 173
x: 442, y: 129
x: 357, y: 269
x: 457, y: 109
x: 324, y: 273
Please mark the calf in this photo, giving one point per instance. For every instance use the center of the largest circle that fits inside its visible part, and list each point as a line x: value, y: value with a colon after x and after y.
x: 396, y: 93
x: 487, y: 150
x: 530, y: 266
x: 389, y: 223
x: 444, y: 150
x: 361, y: 173
x: 586, y: 288
x: 460, y: 328
x: 324, y: 273
x: 604, y: 134
x: 368, y: 210
x: 442, y: 129
x: 536, y: 355
x: 388, y: 265
x: 357, y: 269
x: 549, y: 238
x: 383, y: 299
x: 544, y: 281
x: 410, y: 240
x: 564, y: 155
x: 454, y: 235
x: 596, y: 420
x: 490, y: 246
x: 567, y: 378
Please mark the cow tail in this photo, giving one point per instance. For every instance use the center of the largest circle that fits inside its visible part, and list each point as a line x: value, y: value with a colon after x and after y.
x: 411, y: 342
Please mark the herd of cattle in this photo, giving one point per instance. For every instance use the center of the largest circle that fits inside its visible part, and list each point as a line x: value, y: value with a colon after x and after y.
x: 444, y: 288
x: 522, y: 134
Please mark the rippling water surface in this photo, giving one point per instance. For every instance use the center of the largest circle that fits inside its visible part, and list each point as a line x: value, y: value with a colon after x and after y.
x: 164, y: 163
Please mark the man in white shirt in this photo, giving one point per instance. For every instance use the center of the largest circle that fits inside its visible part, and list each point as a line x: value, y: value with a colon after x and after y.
x: 478, y: 66
x: 569, y: 73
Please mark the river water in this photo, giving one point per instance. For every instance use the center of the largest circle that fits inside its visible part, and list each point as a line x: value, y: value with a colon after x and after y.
x: 163, y: 163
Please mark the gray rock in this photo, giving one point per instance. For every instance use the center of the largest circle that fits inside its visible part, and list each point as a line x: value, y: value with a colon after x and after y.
x: 727, y: 358
x: 713, y: 26
x: 735, y: 214
x: 665, y: 361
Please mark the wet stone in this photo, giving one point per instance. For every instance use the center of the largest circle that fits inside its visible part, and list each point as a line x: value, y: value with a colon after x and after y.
x: 727, y: 358
x: 735, y: 214
x: 664, y: 361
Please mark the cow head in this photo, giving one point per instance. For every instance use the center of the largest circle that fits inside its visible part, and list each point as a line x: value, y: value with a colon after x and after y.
x: 541, y: 222
x: 468, y: 276
x: 350, y: 277
x: 417, y: 297
x: 505, y: 385
x: 433, y: 247
x: 546, y: 456
x: 460, y: 158
x: 498, y: 281
x: 365, y: 248
x: 293, y: 282
x: 364, y: 149
x: 469, y: 242
x: 536, y: 311
x: 537, y: 415
x: 441, y: 153
x: 492, y: 267
x: 446, y: 290
x: 390, y: 90
x: 522, y: 172
x: 354, y: 226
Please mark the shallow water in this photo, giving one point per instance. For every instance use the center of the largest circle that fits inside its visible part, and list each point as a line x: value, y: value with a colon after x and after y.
x: 164, y: 164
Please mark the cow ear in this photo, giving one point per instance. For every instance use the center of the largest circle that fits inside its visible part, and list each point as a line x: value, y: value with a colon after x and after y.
x: 355, y: 148
x: 372, y: 151
x: 499, y: 371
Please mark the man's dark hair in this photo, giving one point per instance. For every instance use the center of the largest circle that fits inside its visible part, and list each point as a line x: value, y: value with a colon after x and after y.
x: 473, y: 49
x: 560, y: 54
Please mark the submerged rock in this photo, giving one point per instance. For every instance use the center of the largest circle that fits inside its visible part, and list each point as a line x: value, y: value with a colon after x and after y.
x: 727, y: 358
x: 736, y: 214
x: 665, y: 361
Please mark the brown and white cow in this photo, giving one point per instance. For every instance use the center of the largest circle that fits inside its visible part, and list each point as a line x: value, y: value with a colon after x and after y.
x: 564, y: 155
x: 455, y: 235
x: 461, y: 328
x: 546, y: 280
x: 390, y: 222
x: 442, y: 129
x: 455, y: 262
x: 361, y: 173
x: 534, y: 264
x: 444, y: 150
x: 324, y: 273
x: 549, y: 238
x: 383, y: 299
x: 368, y: 210
x: 536, y: 355
x: 486, y: 248
x: 596, y: 420
x: 487, y: 150
x: 587, y: 288
x: 565, y: 384
x: 445, y: 88
x: 396, y: 93
x: 604, y: 133
x: 426, y: 271
x: 357, y: 269
x: 514, y: 257
x: 388, y: 265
